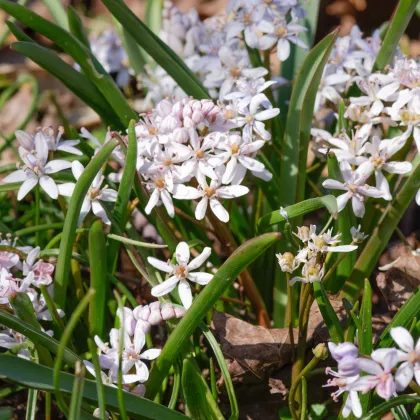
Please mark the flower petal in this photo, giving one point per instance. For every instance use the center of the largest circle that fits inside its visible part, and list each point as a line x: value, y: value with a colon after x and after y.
x: 200, y: 278
x: 185, y: 294
x: 166, y: 287
x: 160, y: 265
x: 199, y: 260
x: 403, y: 338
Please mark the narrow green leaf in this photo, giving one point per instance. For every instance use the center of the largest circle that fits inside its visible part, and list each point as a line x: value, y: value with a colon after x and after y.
x: 99, y: 385
x: 381, y: 235
x: 153, y: 16
x: 328, y: 314
x: 57, y: 12
x: 36, y: 336
x: 98, y: 278
x: 77, y: 394
x: 299, y: 122
x: 224, y: 277
x: 401, y: 18
x: 157, y: 49
x: 200, y: 402
x: 36, y: 376
x: 24, y: 310
x: 69, y: 231
x: 297, y: 210
x: 76, y: 27
x: 364, y: 335
x: 72, y: 46
x: 120, y: 214
x: 74, y: 80
x: 31, y: 404
x: 380, y: 410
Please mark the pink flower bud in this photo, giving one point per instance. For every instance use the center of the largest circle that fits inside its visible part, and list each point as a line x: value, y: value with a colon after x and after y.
x: 197, y: 117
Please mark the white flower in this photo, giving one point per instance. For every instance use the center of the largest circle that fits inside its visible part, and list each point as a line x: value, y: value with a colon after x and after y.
x: 288, y: 263
x: 356, y: 187
x: 410, y: 354
x: 8, y: 285
x: 310, y: 273
x: 346, y: 354
x: 181, y: 272
x: 161, y: 192
x: 356, y: 235
x: 37, y: 170
x: 325, y: 242
x: 94, y: 195
x: 41, y: 271
x: 54, y: 142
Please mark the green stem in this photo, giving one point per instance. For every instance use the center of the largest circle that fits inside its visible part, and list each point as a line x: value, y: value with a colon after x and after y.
x: 289, y: 315
x: 37, y: 214
x: 51, y: 307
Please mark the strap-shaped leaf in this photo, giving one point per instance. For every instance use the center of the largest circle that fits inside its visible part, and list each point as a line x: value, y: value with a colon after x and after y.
x: 225, y: 276
x: 79, y: 52
x: 297, y: 210
x: 157, y: 49
x: 299, y: 122
x: 401, y: 18
x: 36, y: 376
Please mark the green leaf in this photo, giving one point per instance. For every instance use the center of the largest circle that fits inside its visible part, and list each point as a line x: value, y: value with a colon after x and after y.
x: 36, y: 376
x: 69, y: 231
x: 154, y: 15
x: 225, y: 276
x: 31, y: 404
x: 121, y: 214
x: 364, y: 335
x: 297, y: 210
x: 24, y: 310
x: 381, y: 235
x: 77, y: 394
x: 36, y: 336
x: 157, y: 49
x: 78, y: 51
x: 76, y: 27
x: 57, y: 12
x: 98, y: 278
x: 10, y: 187
x: 328, y: 314
x: 79, y: 84
x: 200, y: 402
x: 299, y: 122
x: 345, y: 220
x: 385, y: 407
x: 401, y: 18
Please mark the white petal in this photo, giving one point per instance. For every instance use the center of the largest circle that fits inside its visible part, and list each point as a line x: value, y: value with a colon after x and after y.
x: 200, y: 210
x: 86, y: 206
x: 166, y: 287
x: 160, y: 265
x: 220, y: 212
x: 49, y: 186
x: 100, y: 212
x: 153, y: 200
x: 358, y: 207
x: 403, y: 376
x: 200, y: 278
x: 56, y: 166
x: 232, y: 191
x: 183, y: 192
x: 16, y: 176
x: 182, y: 253
x: 251, y: 164
x: 139, y: 337
x: 398, y: 167
x: 167, y: 202
x: 108, y: 194
x: 333, y: 184
x: 142, y: 372
x: 283, y: 49
x: 342, y: 248
x: 66, y: 189
x: 26, y: 187
x: 403, y: 338
x: 185, y: 294
x: 151, y: 354
x: 77, y: 169
x: 267, y: 114
x: 199, y: 260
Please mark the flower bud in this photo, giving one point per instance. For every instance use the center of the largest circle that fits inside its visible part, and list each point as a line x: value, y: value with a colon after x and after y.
x: 320, y: 351
x: 97, y: 414
x: 338, y: 352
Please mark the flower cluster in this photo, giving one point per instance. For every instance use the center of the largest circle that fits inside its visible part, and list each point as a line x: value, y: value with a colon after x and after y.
x: 136, y: 323
x: 22, y: 271
x: 313, y: 254
x: 190, y: 141
x: 387, y: 370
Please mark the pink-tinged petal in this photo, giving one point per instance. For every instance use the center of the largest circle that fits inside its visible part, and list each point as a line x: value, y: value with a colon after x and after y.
x: 219, y: 211
x: 200, y: 210
x: 403, y: 338
x: 386, y: 388
x: 16, y: 176
x: 232, y: 191
x: 153, y: 200
x: 403, y: 376
x: 182, y: 253
x: 57, y: 165
x: 342, y: 201
x: 199, y: 260
x: 77, y: 169
x: 151, y: 354
x: 185, y: 294
x: 160, y: 265
x: 333, y: 184
x: 166, y: 287
x: 142, y: 371
x: 32, y: 256
x: 49, y: 186
x: 100, y: 212
x: 370, y: 366
x: 200, y: 278
x: 66, y: 189
x: 26, y: 187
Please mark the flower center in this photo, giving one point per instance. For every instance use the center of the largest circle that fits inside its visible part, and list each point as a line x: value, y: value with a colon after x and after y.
x: 235, y: 71
x: 228, y: 114
x: 180, y: 271
x: 167, y: 162
x: 249, y: 118
x: 320, y: 242
x: 313, y: 271
x: 160, y: 183
x: 353, y: 188
x: 152, y: 131
x: 210, y: 192
x: 94, y: 192
x: 235, y: 148
x: 281, y: 31
x: 200, y: 154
